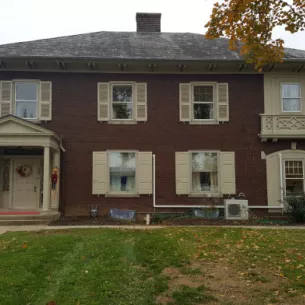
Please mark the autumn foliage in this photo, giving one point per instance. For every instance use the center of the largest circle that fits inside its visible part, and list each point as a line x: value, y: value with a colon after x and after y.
x: 249, y: 25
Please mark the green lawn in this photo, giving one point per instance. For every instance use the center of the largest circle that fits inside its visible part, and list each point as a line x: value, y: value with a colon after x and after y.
x: 173, y: 266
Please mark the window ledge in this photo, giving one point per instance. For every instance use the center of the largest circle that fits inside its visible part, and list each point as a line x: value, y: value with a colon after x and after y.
x: 206, y: 195
x: 214, y: 122
x: 122, y: 195
x: 122, y: 122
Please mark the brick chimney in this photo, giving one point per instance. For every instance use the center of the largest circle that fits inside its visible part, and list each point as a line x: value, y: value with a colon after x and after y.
x: 148, y: 22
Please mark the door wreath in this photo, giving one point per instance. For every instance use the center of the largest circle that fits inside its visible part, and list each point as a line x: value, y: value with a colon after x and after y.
x: 24, y: 170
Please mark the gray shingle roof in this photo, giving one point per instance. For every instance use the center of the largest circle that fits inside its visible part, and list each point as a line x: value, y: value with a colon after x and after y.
x: 131, y: 45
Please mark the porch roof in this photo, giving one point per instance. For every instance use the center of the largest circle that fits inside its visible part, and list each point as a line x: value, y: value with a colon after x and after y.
x: 15, y: 131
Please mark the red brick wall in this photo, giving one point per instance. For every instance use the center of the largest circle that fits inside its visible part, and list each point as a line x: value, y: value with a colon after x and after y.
x: 75, y: 120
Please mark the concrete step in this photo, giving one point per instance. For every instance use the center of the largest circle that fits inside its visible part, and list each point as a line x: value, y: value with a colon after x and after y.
x: 23, y: 222
x: 30, y: 217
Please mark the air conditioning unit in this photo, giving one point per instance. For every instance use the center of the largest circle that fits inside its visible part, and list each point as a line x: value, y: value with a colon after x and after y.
x: 236, y: 209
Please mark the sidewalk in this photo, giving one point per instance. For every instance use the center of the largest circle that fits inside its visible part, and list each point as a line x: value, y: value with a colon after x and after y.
x: 29, y: 228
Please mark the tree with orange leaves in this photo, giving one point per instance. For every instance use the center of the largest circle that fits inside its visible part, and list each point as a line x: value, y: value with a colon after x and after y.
x: 249, y: 25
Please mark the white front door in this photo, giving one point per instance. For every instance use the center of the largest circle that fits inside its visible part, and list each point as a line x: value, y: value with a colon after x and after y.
x: 26, y: 183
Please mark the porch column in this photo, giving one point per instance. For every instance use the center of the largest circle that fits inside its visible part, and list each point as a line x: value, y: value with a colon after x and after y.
x: 56, y: 163
x: 46, y: 179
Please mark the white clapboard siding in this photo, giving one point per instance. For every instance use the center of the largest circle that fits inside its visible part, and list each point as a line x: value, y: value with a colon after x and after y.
x: 227, y: 170
x: 144, y: 173
x: 141, y: 102
x: 45, y: 101
x: 182, y: 173
x: 185, y: 102
x: 99, y: 173
x: 223, y: 101
x: 6, y: 97
x: 103, y: 101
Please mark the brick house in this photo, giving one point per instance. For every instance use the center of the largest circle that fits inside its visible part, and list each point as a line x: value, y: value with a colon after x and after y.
x: 115, y: 111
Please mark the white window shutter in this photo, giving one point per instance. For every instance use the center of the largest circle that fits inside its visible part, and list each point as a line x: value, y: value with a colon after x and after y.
x: 274, y: 179
x: 185, y: 103
x: 182, y: 173
x: 99, y: 173
x: 6, y: 98
x: 141, y: 102
x: 103, y: 101
x: 227, y: 171
x: 144, y: 172
x: 223, y: 102
x: 45, y: 101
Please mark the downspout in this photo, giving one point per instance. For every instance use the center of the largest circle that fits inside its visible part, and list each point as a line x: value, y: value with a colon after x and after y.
x: 193, y: 206
x: 281, y: 182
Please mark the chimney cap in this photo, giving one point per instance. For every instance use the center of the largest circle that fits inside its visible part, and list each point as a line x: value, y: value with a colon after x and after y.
x: 148, y: 15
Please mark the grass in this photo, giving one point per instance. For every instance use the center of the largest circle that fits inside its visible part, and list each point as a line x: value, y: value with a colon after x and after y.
x: 174, y: 266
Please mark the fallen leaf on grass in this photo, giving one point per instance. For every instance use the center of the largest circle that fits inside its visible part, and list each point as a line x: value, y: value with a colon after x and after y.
x: 24, y: 245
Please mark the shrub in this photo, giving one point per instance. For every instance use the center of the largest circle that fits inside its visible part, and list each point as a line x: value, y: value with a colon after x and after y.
x: 295, y: 207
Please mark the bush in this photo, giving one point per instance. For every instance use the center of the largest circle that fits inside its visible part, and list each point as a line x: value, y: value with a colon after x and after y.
x: 295, y: 207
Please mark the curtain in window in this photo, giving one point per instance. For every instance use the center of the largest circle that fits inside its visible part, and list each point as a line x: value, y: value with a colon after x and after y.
x: 122, y: 172
x: 290, y: 90
x: 204, y: 172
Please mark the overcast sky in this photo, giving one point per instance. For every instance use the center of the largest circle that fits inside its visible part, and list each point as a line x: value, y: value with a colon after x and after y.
x: 23, y: 20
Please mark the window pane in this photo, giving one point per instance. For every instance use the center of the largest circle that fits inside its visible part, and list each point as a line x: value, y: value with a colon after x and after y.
x: 203, y: 111
x: 203, y: 93
x: 121, y: 93
x: 26, y: 110
x: 204, y: 172
x: 291, y: 104
x: 291, y: 90
x: 294, y: 169
x: 122, y: 111
x: 294, y: 187
x: 122, y: 172
x: 26, y: 91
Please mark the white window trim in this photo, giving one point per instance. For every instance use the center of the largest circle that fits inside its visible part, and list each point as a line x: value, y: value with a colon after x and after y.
x: 204, y: 193
x: 121, y: 194
x: 212, y: 84
x: 282, y: 98
x: 14, y: 106
x: 133, y: 96
x: 285, y: 178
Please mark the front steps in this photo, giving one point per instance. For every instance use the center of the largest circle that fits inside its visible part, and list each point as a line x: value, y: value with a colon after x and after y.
x: 44, y: 218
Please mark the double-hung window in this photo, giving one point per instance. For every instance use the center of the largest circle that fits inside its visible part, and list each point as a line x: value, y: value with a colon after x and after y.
x: 291, y: 97
x: 26, y: 100
x: 203, y: 101
x: 122, y: 102
x: 294, y: 177
x: 122, y: 172
x: 204, y: 172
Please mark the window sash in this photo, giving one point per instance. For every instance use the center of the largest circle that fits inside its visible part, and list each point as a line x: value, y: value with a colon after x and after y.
x: 119, y: 192
x: 216, y: 191
x: 293, y: 97
x: 122, y: 102
x: 203, y: 102
x: 16, y: 101
x: 286, y: 162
